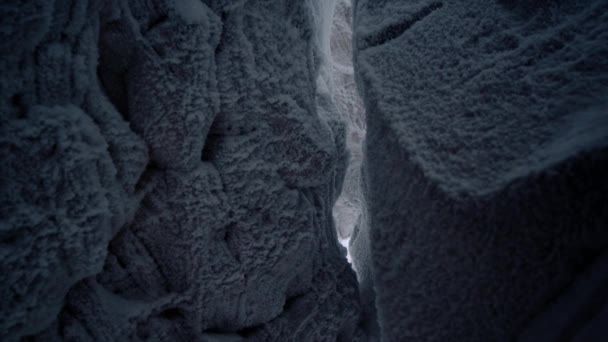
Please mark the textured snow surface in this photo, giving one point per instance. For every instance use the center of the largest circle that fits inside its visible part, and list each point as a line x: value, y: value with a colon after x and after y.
x: 169, y: 170
x: 347, y: 210
x: 486, y: 160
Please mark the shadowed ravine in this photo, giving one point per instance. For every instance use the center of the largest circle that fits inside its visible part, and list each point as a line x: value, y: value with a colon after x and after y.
x: 185, y: 170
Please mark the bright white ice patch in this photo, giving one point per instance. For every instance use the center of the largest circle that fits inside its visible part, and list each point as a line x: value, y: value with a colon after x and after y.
x: 344, y: 242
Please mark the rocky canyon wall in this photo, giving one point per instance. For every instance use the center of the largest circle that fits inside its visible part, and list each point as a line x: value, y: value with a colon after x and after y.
x: 169, y: 169
x: 486, y: 159
x: 172, y: 170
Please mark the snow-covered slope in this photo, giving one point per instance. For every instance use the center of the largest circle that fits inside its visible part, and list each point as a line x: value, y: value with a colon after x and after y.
x: 167, y: 173
x: 350, y: 208
x: 486, y: 156
x: 350, y: 107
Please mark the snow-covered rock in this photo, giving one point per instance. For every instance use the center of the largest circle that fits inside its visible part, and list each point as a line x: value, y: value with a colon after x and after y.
x: 169, y: 173
x: 486, y: 156
x: 349, y: 206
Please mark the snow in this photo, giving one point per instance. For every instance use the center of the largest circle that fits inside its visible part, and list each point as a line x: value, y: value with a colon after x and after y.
x: 188, y: 170
x: 345, y: 244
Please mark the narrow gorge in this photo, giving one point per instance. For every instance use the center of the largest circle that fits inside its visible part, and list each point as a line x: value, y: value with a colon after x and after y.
x: 303, y: 170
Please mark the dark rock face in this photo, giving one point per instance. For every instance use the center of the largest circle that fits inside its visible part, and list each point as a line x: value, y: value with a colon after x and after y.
x: 168, y: 174
x: 486, y: 158
x: 169, y: 170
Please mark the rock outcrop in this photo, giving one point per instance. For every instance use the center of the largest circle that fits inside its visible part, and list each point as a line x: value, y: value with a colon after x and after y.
x: 168, y: 174
x: 486, y: 161
x: 350, y: 205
